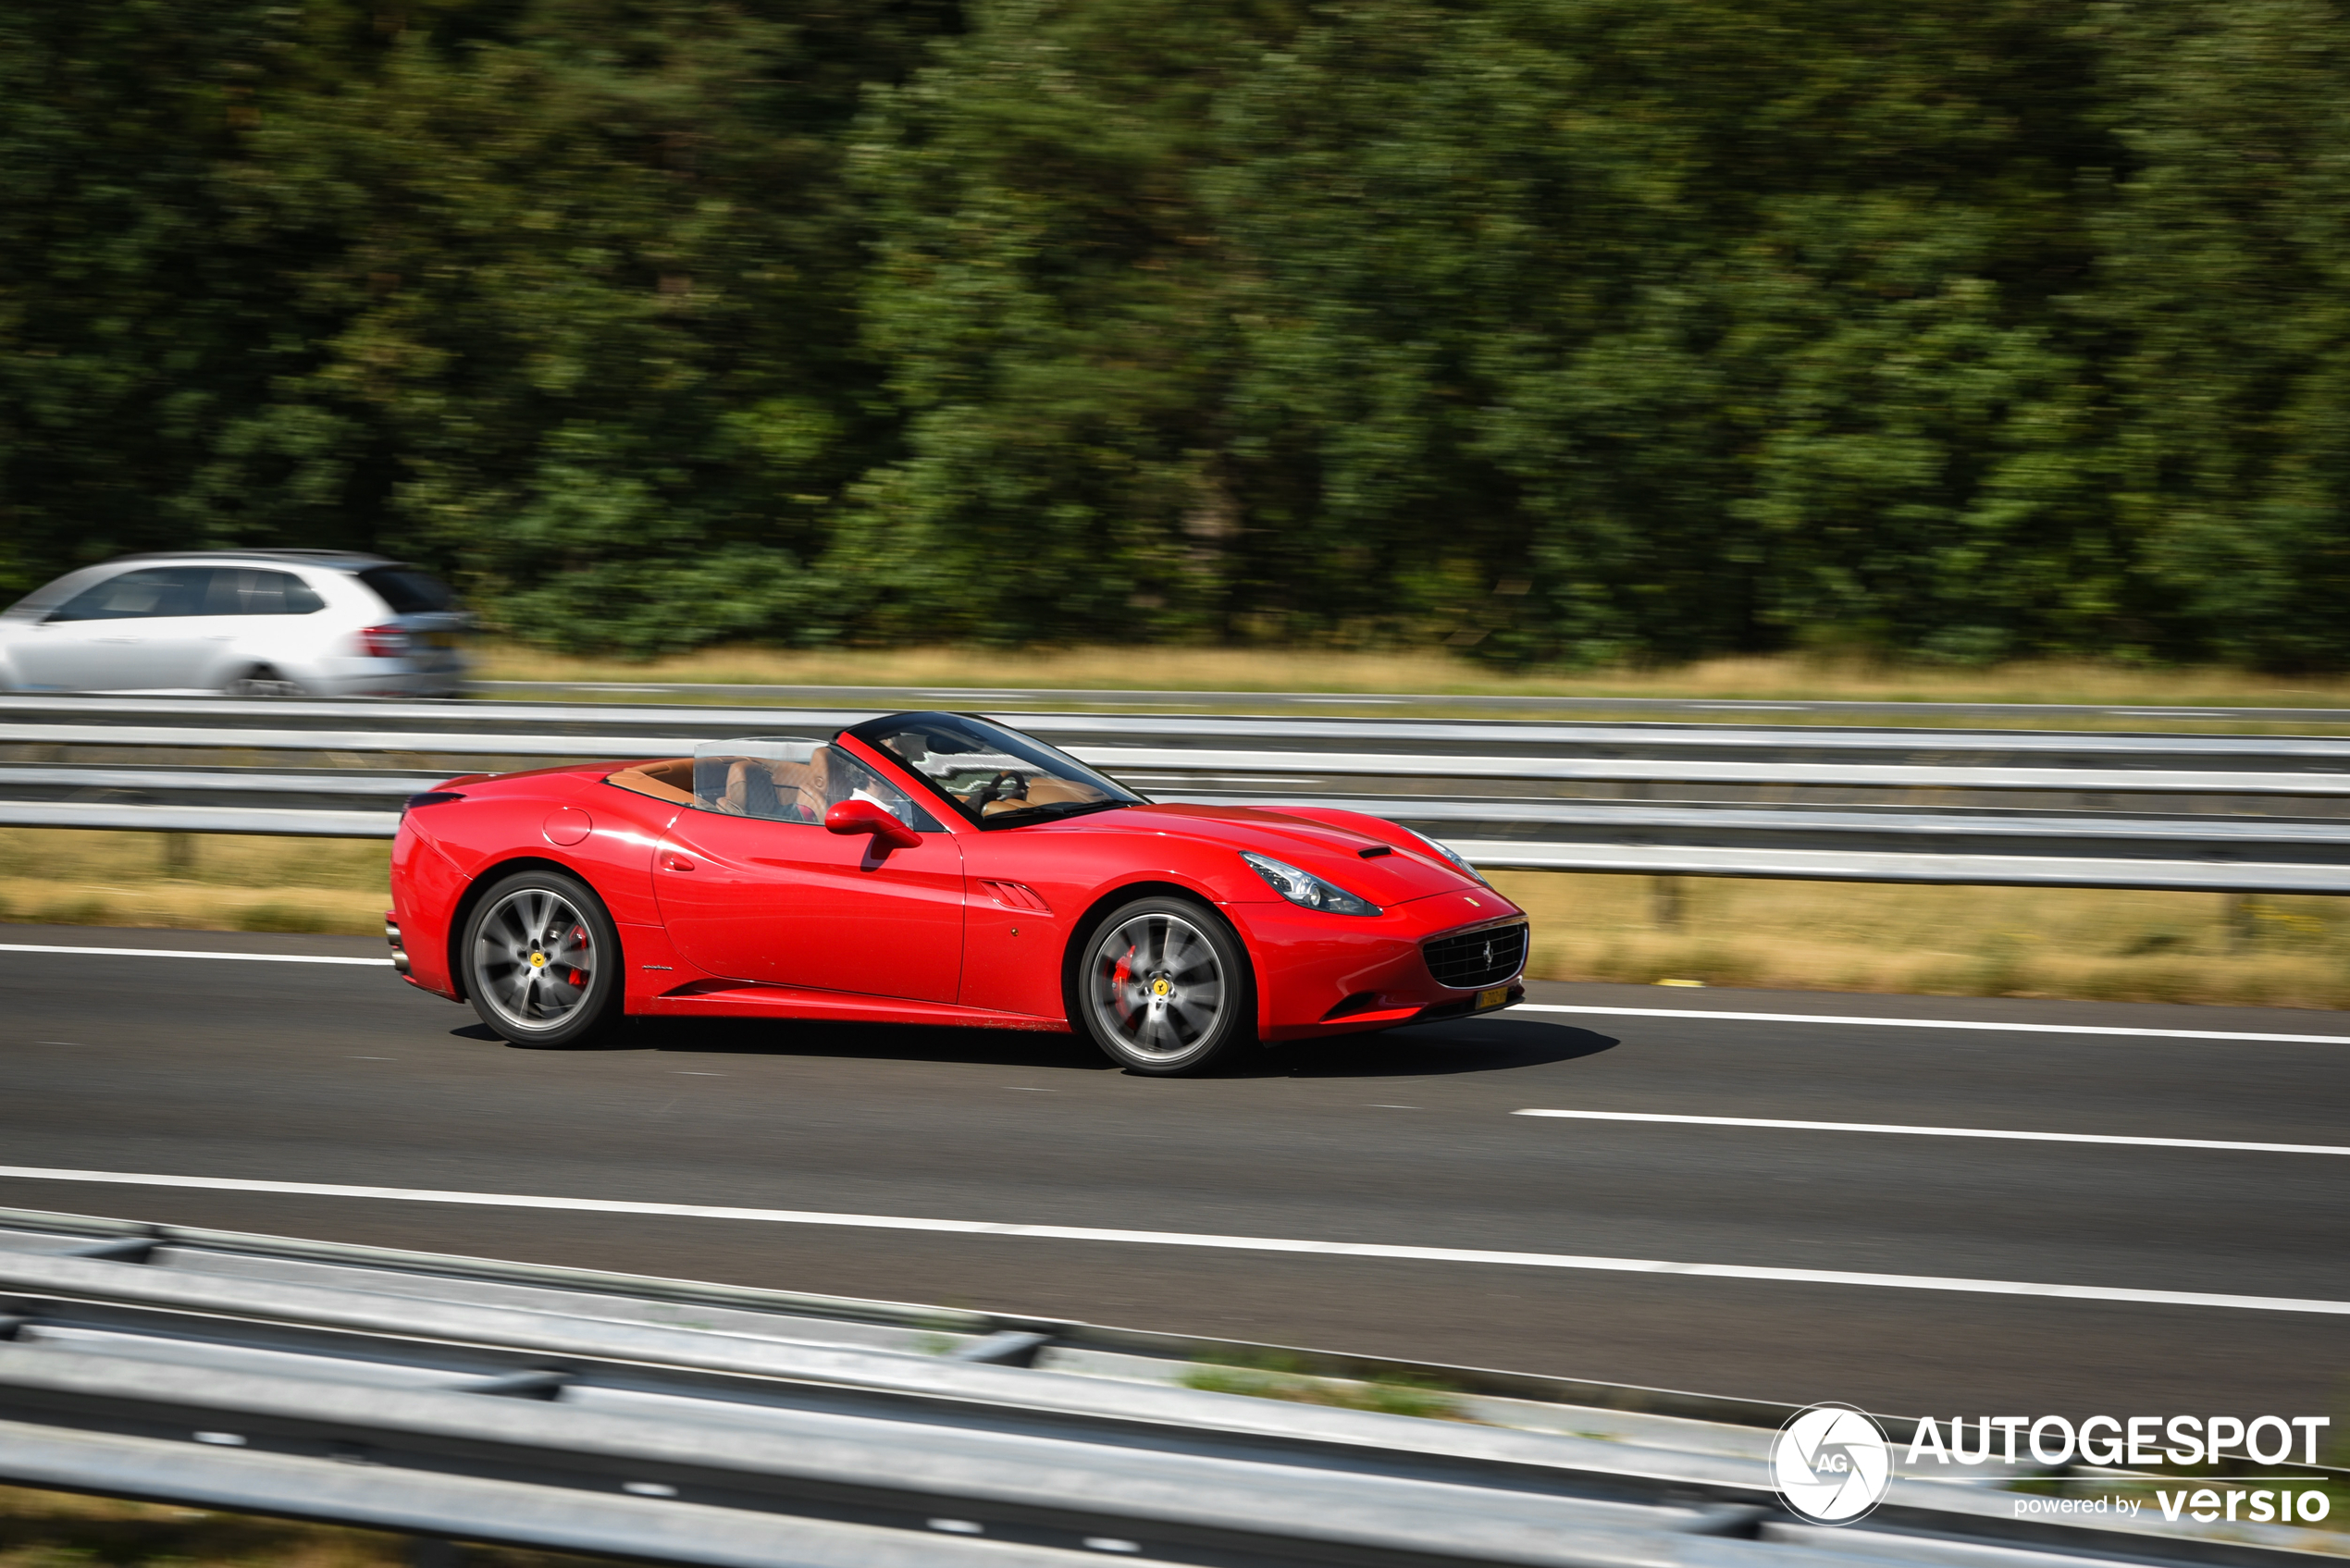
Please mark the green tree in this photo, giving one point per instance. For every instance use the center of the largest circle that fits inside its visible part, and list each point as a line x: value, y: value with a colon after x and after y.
x: 2223, y: 267
x: 1053, y: 304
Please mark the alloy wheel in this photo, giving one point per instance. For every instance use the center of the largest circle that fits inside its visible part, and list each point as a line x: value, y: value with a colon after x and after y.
x: 1157, y: 986
x: 535, y: 959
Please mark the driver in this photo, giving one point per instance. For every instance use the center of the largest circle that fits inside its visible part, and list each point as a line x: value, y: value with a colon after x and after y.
x: 1001, y: 793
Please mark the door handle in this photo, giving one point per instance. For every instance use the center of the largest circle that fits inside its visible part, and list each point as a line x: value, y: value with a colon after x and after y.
x: 676, y: 863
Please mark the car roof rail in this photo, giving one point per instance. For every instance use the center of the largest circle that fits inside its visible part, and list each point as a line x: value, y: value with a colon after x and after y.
x: 353, y: 558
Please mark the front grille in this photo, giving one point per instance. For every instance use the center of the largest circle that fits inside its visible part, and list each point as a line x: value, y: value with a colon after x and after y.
x: 1477, y: 958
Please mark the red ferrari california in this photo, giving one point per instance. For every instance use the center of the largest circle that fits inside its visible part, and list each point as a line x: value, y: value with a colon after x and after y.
x: 933, y: 869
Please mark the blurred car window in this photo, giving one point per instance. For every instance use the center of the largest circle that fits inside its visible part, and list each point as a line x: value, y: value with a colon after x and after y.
x: 851, y: 780
x: 409, y: 591
x: 784, y: 779
x: 238, y: 590
x: 778, y: 778
x: 142, y: 595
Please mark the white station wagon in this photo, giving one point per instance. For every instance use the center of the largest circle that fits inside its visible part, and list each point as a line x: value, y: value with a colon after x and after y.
x: 278, y: 623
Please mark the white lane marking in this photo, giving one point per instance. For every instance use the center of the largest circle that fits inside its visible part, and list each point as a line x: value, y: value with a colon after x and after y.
x: 191, y: 953
x: 1191, y: 1239
x: 1952, y: 1132
x: 1936, y: 1023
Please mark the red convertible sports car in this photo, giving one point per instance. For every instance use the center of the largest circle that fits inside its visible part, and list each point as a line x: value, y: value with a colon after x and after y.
x: 936, y: 868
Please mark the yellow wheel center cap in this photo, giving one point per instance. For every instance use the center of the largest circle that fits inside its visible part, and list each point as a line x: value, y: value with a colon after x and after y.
x: 538, y: 960
x: 1160, y: 988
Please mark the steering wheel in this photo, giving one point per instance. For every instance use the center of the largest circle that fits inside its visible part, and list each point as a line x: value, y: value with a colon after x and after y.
x: 1006, y: 785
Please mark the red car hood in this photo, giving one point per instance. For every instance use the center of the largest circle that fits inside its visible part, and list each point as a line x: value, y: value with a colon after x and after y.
x: 1326, y: 849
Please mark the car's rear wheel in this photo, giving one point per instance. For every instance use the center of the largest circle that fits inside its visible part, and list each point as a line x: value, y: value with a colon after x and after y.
x: 260, y: 680
x: 542, y: 960
x: 1162, y: 985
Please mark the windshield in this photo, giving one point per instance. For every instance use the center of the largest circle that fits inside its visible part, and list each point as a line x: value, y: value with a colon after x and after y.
x: 993, y: 776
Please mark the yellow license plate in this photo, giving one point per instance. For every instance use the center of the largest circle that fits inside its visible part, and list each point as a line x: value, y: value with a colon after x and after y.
x: 1498, y: 996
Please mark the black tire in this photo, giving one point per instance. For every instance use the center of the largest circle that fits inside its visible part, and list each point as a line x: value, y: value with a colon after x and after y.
x: 541, y: 960
x: 1163, y: 986
x: 261, y: 681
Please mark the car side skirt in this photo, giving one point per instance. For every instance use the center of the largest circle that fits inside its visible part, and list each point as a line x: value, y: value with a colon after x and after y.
x: 717, y: 999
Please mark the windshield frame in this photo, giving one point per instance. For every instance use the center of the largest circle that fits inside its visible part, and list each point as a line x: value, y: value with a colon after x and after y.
x: 1048, y: 758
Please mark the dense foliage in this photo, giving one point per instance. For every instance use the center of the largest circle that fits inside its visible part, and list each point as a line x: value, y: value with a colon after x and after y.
x: 1556, y: 329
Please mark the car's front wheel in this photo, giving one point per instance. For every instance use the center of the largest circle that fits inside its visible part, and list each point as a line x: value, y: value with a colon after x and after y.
x: 542, y: 960
x: 1162, y: 985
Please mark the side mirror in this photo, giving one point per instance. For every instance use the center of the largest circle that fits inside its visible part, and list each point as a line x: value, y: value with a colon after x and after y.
x: 863, y: 816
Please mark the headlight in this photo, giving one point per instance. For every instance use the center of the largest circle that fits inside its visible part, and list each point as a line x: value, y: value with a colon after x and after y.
x: 1306, y: 889
x: 1464, y: 867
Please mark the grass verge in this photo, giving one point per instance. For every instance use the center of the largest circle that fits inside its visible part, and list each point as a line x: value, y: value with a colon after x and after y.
x: 200, y: 882
x: 2090, y: 944
x: 62, y: 1530
x: 1782, y: 678
x: 1283, y: 1377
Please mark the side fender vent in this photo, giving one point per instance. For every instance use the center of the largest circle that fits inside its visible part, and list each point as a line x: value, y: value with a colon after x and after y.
x: 1016, y: 896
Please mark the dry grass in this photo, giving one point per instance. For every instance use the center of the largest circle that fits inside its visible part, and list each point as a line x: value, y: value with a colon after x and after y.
x: 1225, y: 669
x: 60, y: 1530
x: 198, y: 882
x: 1940, y: 940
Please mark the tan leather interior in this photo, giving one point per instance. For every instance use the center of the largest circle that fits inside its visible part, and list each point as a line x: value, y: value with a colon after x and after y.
x: 672, y: 780
x: 1042, y: 792
x: 780, y: 791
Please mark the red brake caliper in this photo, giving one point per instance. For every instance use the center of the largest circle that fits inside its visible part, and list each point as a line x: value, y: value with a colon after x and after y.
x: 1118, y: 977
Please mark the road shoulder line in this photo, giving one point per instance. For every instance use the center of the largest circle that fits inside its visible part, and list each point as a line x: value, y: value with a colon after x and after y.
x: 193, y: 952
x: 1219, y: 1242
x: 2123, y: 1139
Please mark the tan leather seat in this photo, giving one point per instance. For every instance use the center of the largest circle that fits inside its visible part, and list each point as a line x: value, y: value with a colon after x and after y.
x: 786, y: 791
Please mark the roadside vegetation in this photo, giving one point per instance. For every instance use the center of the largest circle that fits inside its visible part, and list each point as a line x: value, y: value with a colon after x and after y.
x: 1557, y: 332
x: 1433, y: 672
x: 2120, y: 947
x: 2090, y: 944
x: 1278, y: 1377
x: 64, y: 1530
x: 197, y: 882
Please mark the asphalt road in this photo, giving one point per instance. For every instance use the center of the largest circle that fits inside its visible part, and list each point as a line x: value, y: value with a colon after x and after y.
x: 332, y: 1074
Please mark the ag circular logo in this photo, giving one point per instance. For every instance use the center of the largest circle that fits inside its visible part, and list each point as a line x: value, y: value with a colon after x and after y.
x: 1831, y: 1463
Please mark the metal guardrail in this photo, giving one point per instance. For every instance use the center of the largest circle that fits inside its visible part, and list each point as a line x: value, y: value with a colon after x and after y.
x: 706, y: 1424
x: 1054, y: 700
x: 2219, y: 813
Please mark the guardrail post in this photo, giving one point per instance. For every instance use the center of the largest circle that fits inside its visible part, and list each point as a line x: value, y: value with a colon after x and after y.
x: 2240, y: 931
x: 178, y: 854
x: 1665, y: 903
